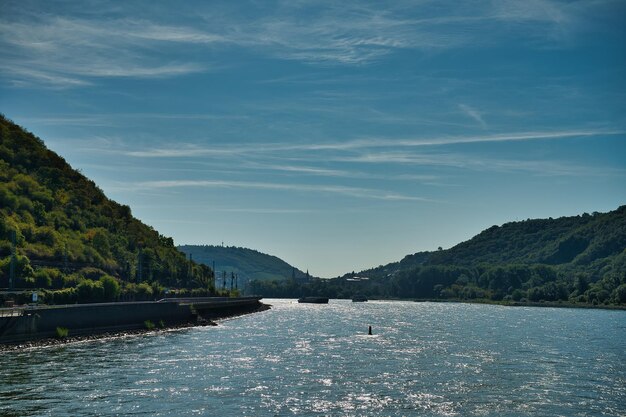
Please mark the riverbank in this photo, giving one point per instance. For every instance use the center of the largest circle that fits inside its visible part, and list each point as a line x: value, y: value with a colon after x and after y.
x: 553, y: 304
x: 31, y: 324
x: 55, y: 341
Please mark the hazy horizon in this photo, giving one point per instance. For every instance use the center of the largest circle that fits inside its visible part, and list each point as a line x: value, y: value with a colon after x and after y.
x: 337, y: 137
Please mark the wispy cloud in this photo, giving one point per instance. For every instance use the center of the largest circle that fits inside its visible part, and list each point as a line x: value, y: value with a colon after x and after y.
x: 187, y: 150
x: 358, y: 33
x: 474, y: 114
x: 308, y: 170
x: 480, y: 163
x: 452, y: 140
x: 183, y: 152
x: 68, y: 50
x: 330, y: 189
x: 22, y: 75
x: 260, y: 210
x: 111, y: 119
x: 345, y: 160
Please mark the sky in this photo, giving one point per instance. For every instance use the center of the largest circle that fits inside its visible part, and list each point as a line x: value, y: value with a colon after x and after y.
x: 336, y: 135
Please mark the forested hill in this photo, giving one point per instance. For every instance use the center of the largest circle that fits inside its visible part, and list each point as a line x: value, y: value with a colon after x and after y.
x: 71, y: 237
x: 588, y: 242
x: 578, y: 259
x: 247, y: 263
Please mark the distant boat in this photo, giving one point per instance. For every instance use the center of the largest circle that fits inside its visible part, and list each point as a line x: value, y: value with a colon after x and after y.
x: 359, y: 298
x: 313, y: 300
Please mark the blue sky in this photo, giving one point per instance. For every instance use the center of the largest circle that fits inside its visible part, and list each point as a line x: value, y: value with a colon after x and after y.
x: 335, y: 135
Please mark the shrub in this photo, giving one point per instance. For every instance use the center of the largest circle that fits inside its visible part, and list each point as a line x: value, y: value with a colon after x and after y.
x: 144, y: 291
x: 620, y: 294
x: 22, y: 266
x: 62, y: 332
x: 92, y: 273
x: 149, y: 324
x: 43, y: 278
x: 64, y: 296
x: 89, y: 290
x: 157, y: 289
x: 71, y: 281
x: 518, y: 294
x: 110, y: 287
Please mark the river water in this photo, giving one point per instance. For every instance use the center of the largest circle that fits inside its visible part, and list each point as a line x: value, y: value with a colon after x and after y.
x: 424, y: 359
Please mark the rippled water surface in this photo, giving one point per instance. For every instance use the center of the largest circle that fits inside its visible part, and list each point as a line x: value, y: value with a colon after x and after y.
x: 309, y: 360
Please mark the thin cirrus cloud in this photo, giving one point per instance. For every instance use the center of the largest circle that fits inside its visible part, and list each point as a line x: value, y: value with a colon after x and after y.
x: 67, y: 52
x: 453, y: 140
x: 308, y: 170
x: 245, y: 149
x: 474, y: 114
x: 184, y: 152
x: 62, y: 49
x: 337, y: 161
x: 358, y: 33
x: 328, y: 189
x: 546, y: 168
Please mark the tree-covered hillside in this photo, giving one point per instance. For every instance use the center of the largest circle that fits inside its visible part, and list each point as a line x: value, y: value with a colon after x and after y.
x: 585, y: 243
x: 71, y: 238
x: 248, y: 264
x: 408, y: 262
x: 579, y: 259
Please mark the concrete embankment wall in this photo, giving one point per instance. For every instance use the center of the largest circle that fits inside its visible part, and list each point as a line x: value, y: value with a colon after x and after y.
x: 87, y: 319
x: 229, y: 307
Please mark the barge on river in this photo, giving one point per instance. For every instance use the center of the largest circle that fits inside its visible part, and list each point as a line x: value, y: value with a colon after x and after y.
x: 313, y: 300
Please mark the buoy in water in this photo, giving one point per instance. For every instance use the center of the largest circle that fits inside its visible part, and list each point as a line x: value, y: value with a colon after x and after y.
x: 369, y: 332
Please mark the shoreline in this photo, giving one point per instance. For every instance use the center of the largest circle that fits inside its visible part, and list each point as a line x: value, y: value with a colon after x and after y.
x: 510, y: 303
x: 552, y: 304
x: 53, y: 341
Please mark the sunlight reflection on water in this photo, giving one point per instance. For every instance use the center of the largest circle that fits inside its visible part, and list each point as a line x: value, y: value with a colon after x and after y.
x: 423, y: 359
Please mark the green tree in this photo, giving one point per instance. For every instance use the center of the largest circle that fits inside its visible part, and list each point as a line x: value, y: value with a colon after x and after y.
x: 111, y: 288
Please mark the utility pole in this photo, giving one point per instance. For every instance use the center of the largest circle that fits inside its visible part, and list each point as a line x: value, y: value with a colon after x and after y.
x: 139, y: 266
x: 236, y: 281
x: 190, y: 274
x: 223, y: 280
x: 65, y: 263
x: 232, y: 278
x: 13, y: 261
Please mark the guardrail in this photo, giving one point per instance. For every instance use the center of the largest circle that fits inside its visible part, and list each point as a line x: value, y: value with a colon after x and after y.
x: 12, y: 312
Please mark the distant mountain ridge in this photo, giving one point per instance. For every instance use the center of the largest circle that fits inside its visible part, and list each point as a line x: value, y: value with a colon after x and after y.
x: 249, y: 264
